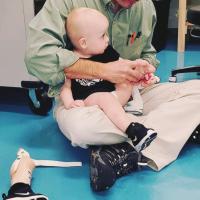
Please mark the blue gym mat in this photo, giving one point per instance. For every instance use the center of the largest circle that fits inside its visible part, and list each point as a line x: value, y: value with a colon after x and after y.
x: 41, y: 137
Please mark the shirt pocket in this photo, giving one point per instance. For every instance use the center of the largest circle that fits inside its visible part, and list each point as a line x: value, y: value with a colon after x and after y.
x: 135, y: 42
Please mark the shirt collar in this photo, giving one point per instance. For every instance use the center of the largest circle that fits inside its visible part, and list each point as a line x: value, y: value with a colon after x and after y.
x: 106, y: 2
x: 109, y: 4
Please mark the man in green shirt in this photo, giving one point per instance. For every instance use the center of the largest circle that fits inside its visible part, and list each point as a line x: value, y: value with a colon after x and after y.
x: 170, y: 109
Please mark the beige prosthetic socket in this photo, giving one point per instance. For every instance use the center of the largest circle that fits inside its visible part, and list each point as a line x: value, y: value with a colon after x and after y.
x: 22, y: 167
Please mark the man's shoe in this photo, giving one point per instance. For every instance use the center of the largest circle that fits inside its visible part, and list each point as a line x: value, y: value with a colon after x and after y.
x: 24, y: 196
x: 195, y: 137
x: 109, y: 162
x: 140, y: 135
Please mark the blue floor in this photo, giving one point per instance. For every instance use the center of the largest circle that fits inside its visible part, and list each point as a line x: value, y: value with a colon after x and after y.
x: 42, y: 138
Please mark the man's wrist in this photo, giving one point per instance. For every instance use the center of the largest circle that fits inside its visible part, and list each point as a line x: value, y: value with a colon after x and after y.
x: 87, y: 69
x: 102, y: 70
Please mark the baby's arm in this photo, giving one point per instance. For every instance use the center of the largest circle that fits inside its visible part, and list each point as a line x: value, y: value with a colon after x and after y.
x: 123, y: 92
x: 67, y: 97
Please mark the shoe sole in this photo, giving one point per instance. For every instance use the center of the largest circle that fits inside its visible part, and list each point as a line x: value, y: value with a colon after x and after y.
x: 40, y: 197
x: 145, y: 142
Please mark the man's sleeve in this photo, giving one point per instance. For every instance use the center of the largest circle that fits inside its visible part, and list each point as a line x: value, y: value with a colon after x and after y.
x: 46, y: 54
x: 149, y: 52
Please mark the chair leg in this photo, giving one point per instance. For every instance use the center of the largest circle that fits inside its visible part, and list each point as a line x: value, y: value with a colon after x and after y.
x: 189, y: 69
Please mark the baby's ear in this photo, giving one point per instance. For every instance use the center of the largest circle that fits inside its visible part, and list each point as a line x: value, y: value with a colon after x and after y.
x: 83, y: 43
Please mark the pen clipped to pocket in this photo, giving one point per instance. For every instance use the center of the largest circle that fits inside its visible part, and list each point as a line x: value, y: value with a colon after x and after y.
x: 131, y: 37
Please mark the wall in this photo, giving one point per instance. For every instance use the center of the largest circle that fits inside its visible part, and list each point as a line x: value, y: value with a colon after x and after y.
x: 14, y: 17
x: 173, y: 21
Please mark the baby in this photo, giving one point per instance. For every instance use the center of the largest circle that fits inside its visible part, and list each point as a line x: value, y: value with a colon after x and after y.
x: 87, y: 31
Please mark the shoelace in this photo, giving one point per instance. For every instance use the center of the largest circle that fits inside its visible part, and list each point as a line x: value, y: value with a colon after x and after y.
x: 4, y: 196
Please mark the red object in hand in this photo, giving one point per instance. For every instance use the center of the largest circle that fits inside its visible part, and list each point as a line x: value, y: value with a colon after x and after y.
x: 148, y: 76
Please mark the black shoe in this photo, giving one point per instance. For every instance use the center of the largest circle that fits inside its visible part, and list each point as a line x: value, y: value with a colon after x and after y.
x: 195, y: 137
x: 109, y: 162
x: 140, y: 136
x: 24, y: 196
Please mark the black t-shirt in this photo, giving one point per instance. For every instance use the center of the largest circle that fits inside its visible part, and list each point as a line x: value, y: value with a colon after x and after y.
x: 82, y: 88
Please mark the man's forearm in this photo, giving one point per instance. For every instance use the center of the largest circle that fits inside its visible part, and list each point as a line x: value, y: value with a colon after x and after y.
x: 120, y: 71
x: 85, y: 69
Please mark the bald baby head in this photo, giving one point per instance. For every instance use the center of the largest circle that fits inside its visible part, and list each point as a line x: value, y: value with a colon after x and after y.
x: 85, y: 23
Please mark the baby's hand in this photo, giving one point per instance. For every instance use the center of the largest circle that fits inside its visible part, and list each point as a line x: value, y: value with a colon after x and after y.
x: 150, y: 79
x: 76, y: 103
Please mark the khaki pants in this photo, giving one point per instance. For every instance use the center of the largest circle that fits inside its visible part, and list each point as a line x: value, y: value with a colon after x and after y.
x: 172, y: 109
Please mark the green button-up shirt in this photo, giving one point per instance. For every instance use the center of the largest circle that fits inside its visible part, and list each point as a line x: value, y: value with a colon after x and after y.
x: 130, y: 32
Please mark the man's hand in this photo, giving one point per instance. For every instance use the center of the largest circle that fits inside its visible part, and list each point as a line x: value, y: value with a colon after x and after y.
x: 124, y: 71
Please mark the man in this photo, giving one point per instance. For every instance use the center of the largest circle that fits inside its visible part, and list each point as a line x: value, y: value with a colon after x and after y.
x: 170, y: 109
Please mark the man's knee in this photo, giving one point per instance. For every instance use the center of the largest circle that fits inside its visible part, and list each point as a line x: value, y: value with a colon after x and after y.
x: 88, y: 126
x: 85, y: 134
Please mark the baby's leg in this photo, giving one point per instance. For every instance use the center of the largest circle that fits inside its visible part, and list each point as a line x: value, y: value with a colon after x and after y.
x: 123, y: 92
x: 111, y: 106
x: 140, y: 135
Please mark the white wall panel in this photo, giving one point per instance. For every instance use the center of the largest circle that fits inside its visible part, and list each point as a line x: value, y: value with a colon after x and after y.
x: 14, y: 16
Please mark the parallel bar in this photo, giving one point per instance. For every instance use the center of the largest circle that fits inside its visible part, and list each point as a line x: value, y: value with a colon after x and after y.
x: 182, y: 25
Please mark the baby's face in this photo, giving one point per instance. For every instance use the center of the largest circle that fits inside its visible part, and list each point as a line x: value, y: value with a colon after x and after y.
x: 97, y: 38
